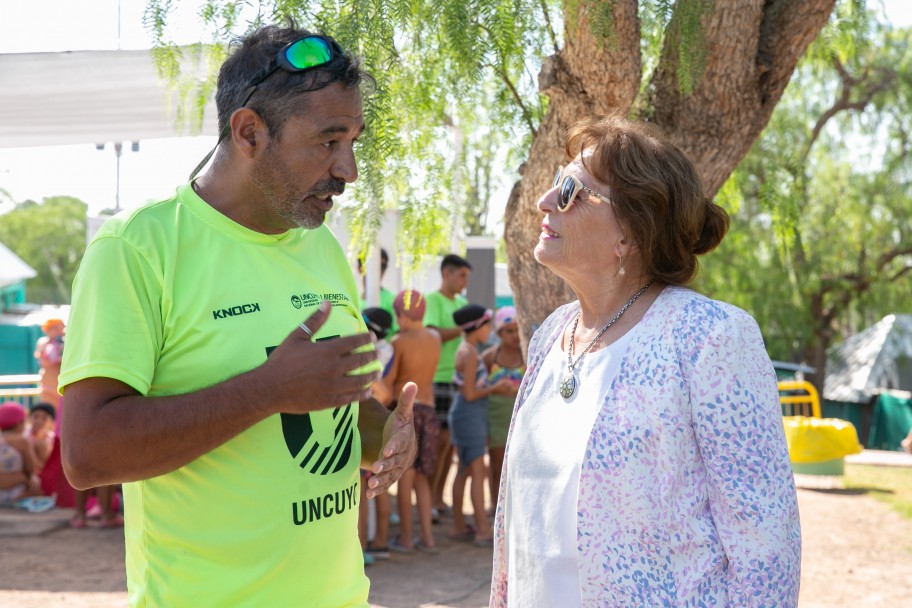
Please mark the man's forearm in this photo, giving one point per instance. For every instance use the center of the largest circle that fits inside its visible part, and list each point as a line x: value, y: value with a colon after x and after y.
x: 371, y: 420
x: 113, y: 435
x: 128, y: 437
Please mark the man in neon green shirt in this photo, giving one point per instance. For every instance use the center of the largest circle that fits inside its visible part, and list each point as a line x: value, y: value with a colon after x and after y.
x: 217, y: 364
x: 441, y: 304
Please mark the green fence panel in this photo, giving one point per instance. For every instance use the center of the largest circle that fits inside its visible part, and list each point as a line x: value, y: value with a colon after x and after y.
x: 850, y: 412
x: 17, y: 349
x: 891, y: 422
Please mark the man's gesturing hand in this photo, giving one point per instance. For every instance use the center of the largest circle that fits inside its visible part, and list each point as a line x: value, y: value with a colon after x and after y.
x: 303, y: 376
x: 399, y: 446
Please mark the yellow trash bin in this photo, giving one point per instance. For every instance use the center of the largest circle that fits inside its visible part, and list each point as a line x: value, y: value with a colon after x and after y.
x: 818, y: 446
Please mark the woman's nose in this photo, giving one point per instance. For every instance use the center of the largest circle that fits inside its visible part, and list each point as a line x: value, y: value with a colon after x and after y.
x: 548, y: 201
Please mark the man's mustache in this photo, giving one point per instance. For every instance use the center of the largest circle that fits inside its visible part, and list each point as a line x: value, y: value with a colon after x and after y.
x: 331, y: 186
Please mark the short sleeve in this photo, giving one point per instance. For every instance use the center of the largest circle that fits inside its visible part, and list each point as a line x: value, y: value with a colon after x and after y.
x: 115, y: 324
x: 433, y: 312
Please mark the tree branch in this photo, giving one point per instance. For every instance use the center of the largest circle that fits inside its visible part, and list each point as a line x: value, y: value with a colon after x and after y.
x: 844, y: 102
x: 753, y: 49
x: 538, y: 98
x: 786, y: 30
x: 892, y: 255
x: 544, y: 7
x: 900, y: 273
x: 840, y: 104
x: 859, y: 279
x: 502, y: 73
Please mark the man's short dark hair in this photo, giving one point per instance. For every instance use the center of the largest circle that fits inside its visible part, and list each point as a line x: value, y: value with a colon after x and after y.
x: 451, y: 260
x: 279, y: 96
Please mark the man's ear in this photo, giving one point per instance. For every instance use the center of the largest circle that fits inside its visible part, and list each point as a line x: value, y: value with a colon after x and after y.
x: 248, y: 132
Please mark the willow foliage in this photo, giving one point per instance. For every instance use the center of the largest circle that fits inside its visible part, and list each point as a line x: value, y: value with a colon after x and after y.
x: 457, y: 102
x: 822, y: 205
x: 456, y: 93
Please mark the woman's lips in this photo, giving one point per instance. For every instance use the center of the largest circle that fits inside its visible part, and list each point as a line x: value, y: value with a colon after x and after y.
x: 548, y: 233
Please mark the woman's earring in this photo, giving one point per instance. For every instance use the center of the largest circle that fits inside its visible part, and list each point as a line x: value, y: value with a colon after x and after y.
x: 621, y: 271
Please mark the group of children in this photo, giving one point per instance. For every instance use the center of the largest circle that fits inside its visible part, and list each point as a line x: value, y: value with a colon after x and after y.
x: 471, y: 421
x: 27, y: 434
x: 26, y: 441
x: 30, y: 459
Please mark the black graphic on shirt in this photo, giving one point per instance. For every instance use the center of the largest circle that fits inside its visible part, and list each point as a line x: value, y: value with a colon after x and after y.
x: 299, y: 436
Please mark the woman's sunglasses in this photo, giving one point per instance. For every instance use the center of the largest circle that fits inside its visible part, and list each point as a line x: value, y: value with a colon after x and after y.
x: 298, y: 56
x: 569, y: 188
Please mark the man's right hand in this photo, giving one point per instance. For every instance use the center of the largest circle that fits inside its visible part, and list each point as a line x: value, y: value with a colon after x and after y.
x: 303, y: 375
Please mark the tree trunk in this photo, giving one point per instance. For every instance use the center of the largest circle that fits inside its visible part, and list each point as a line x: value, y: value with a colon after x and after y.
x: 816, y: 357
x: 752, y: 48
x: 815, y: 351
x: 577, y: 87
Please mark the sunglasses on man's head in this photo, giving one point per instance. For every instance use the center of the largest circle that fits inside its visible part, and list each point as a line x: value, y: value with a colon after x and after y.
x: 569, y: 188
x: 298, y: 56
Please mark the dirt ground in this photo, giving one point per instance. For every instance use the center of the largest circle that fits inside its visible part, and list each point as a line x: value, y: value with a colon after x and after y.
x: 857, y: 552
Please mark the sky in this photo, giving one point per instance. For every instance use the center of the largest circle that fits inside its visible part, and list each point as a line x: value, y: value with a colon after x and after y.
x: 28, y: 26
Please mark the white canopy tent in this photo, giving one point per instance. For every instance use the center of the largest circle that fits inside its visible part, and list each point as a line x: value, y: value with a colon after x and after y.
x: 12, y: 268
x: 94, y: 97
x: 83, y: 97
x: 880, y: 357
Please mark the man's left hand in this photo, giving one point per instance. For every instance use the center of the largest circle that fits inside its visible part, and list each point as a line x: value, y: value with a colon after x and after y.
x: 399, y: 445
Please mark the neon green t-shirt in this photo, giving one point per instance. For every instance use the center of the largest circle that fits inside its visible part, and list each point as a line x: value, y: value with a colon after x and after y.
x: 175, y: 297
x: 439, y: 313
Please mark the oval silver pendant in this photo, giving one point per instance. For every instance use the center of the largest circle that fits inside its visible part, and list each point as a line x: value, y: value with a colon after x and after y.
x: 567, y: 385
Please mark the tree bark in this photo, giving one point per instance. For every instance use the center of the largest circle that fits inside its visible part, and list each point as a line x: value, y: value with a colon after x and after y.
x: 752, y: 49
x: 577, y: 86
x: 815, y: 353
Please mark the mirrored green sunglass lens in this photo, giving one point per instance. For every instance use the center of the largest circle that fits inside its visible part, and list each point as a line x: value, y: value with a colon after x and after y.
x: 308, y: 53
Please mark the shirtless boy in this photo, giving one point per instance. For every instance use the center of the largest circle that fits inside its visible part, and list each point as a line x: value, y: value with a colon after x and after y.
x: 416, y: 352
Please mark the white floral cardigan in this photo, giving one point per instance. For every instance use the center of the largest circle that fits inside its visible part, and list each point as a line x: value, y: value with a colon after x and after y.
x: 686, y: 495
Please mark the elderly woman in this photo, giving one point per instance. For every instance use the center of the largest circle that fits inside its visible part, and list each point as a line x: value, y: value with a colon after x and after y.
x: 646, y: 463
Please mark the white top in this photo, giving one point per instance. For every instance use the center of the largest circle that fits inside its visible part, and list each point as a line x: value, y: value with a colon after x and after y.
x: 686, y: 496
x: 548, y: 445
